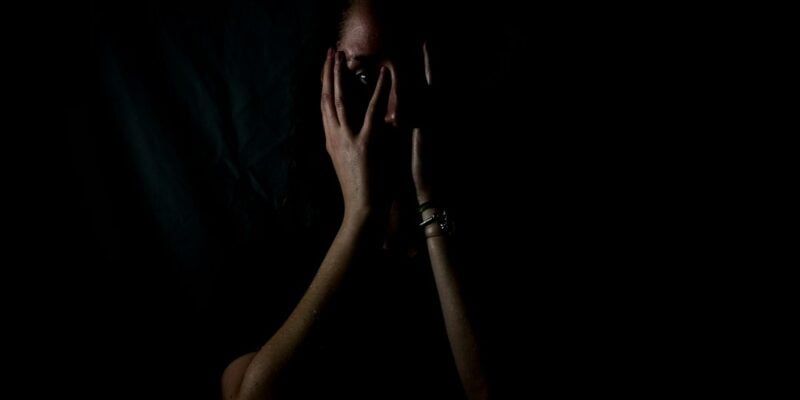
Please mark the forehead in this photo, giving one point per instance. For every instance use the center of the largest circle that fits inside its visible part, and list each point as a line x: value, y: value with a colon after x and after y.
x: 361, y: 33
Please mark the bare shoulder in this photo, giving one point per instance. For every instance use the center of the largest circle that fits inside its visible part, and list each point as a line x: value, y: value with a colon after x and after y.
x: 232, y: 377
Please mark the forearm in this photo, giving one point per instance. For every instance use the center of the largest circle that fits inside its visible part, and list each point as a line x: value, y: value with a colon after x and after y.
x: 463, y: 341
x: 266, y: 366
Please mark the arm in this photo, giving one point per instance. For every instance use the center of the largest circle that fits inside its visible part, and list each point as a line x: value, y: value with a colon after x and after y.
x: 254, y: 376
x: 463, y: 341
x: 263, y: 371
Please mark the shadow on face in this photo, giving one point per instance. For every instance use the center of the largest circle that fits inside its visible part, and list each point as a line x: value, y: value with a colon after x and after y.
x: 372, y: 37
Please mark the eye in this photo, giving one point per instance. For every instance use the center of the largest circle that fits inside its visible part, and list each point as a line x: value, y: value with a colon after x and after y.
x: 363, y: 77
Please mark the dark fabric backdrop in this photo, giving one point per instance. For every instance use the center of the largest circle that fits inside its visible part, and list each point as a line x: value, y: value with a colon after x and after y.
x: 182, y: 161
x: 175, y: 144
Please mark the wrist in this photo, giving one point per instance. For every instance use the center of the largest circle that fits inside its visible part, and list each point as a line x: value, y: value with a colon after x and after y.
x: 434, y: 230
x: 435, y: 220
x: 428, y: 212
x: 423, y: 196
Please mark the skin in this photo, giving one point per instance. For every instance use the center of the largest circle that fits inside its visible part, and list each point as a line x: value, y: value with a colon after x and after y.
x: 354, y: 146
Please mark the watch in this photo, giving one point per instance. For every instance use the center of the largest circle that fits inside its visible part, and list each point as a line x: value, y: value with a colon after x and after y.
x: 441, y: 218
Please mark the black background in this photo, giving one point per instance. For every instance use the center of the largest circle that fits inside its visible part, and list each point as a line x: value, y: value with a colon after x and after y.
x: 165, y: 167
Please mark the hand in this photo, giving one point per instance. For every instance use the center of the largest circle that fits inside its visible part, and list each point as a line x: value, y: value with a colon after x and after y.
x: 350, y: 153
x: 420, y: 145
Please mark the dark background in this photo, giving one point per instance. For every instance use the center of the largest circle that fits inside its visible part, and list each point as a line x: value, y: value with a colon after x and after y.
x: 171, y: 159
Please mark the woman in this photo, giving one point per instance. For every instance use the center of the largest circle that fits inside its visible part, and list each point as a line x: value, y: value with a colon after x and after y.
x: 350, y: 334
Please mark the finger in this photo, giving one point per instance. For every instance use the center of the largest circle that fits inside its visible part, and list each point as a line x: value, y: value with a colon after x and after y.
x: 338, y: 92
x: 426, y: 57
x: 328, y: 110
x: 370, y: 116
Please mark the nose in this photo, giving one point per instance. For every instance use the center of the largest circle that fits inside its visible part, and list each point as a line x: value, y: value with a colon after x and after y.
x: 393, y: 105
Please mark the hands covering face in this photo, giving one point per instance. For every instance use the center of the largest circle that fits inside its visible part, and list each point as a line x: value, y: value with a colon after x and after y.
x: 357, y: 152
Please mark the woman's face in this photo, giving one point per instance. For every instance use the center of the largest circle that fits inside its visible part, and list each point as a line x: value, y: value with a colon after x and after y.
x: 369, y: 43
x: 371, y: 40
